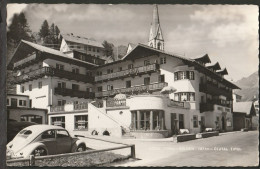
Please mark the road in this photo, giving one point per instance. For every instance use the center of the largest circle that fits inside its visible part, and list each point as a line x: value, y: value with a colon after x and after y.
x: 232, y: 149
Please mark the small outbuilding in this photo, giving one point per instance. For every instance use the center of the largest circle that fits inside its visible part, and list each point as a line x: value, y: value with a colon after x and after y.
x: 242, y: 115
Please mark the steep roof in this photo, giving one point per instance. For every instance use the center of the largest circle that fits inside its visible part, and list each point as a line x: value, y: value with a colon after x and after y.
x: 81, y: 40
x: 222, y: 71
x: 204, y: 59
x: 244, y: 107
x: 27, y: 47
x: 215, y: 66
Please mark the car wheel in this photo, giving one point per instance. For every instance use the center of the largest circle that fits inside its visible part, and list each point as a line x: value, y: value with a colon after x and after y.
x: 81, y: 148
x: 39, y: 152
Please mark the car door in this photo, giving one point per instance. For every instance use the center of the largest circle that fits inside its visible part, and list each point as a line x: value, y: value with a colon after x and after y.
x: 49, y: 140
x: 64, y: 141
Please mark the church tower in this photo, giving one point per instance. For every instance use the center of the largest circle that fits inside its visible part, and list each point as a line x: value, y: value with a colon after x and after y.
x: 156, y: 38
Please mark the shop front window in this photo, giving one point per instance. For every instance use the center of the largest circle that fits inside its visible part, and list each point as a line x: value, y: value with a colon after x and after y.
x: 58, y: 121
x: 81, y: 122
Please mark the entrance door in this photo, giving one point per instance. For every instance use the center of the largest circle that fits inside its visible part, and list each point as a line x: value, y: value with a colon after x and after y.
x: 223, y: 123
x: 174, y: 124
x: 13, y: 102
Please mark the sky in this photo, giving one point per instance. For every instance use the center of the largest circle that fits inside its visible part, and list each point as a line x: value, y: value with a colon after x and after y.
x: 227, y: 33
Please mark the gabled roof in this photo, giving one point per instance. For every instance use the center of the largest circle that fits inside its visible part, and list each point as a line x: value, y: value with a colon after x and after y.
x: 222, y: 72
x: 215, y: 66
x: 244, y: 107
x: 81, y: 40
x: 24, y: 48
x: 204, y: 59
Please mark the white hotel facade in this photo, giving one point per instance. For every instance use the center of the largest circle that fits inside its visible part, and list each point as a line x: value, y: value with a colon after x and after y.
x: 85, y: 93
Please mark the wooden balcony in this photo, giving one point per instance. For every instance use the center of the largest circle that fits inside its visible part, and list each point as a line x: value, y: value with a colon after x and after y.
x: 132, y: 90
x: 48, y: 71
x: 128, y: 72
x: 214, y: 90
x: 206, y: 107
x: 116, y: 103
x: 56, y: 108
x: 218, y: 102
x: 26, y: 61
x: 73, y: 93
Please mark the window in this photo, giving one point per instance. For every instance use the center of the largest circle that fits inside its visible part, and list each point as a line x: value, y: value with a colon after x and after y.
x: 181, y: 121
x: 75, y: 70
x: 39, y: 85
x: 22, y: 89
x: 58, y: 121
x: 195, y: 121
x: 99, y: 89
x: 30, y: 87
x: 32, y: 118
x: 163, y: 60
x: 59, y: 66
x: 128, y: 84
x: 145, y: 120
x: 76, y: 102
x: 81, y: 122
x: 89, y: 48
x: 97, y: 50
x: 7, y: 102
x: 22, y: 102
x: 161, y: 78
x: 109, y: 87
x: 99, y: 73
x: 146, y: 80
x: 75, y: 87
x: 184, y: 75
x: 87, y: 89
x: 146, y: 62
x: 48, y: 134
x: 62, y: 134
x: 61, y: 102
x: 109, y: 71
x: 184, y: 96
x: 120, y: 69
x: 130, y: 66
x: 61, y: 85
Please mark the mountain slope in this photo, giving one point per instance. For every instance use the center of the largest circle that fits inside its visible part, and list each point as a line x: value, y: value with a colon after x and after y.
x: 249, y: 87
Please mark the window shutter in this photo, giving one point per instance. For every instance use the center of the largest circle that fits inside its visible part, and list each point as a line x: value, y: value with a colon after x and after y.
x: 188, y: 74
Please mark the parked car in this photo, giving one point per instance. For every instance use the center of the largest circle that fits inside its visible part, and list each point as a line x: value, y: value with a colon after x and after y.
x: 13, y: 127
x: 41, y: 140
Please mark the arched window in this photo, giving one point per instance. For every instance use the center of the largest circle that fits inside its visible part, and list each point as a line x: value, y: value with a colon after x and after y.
x: 159, y: 45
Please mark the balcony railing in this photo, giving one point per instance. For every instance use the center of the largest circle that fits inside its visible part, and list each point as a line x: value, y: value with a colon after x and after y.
x: 218, y: 102
x: 48, y: 71
x: 81, y: 106
x: 132, y: 90
x: 116, y: 103
x: 128, y: 72
x: 73, y: 93
x: 173, y: 103
x: 25, y: 61
x: 56, y: 108
x: 213, y: 89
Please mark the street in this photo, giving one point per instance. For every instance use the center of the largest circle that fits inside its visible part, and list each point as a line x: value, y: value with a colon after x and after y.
x: 229, y: 149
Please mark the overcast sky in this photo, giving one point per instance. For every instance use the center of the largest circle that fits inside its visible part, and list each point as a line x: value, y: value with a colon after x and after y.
x: 228, y: 33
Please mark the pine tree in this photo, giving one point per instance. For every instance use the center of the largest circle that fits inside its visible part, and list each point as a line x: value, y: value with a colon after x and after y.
x: 18, y: 30
x: 44, y: 31
x: 108, y: 48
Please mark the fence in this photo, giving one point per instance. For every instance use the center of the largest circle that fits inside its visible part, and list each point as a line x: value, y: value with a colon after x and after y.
x: 31, y: 160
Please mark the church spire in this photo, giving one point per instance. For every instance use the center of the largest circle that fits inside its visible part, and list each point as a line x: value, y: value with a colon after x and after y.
x: 155, y: 38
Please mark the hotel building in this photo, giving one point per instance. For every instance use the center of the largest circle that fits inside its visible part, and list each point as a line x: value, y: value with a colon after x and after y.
x: 149, y: 93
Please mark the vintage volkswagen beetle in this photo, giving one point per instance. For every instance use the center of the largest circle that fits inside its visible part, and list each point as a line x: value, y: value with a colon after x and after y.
x: 40, y: 140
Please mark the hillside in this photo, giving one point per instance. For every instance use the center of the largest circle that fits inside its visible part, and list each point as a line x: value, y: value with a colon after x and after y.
x: 249, y: 87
